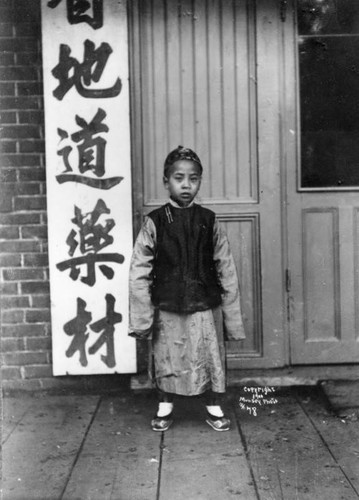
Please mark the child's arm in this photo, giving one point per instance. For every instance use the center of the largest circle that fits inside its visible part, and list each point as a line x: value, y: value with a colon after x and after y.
x: 227, y: 274
x: 141, y: 307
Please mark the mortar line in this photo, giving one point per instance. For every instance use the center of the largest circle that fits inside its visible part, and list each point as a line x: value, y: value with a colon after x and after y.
x: 326, y: 444
x: 246, y: 452
x: 160, y: 466
x: 81, y: 447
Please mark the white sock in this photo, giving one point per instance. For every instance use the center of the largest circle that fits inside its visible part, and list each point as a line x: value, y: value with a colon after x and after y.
x: 164, y: 409
x: 216, y: 410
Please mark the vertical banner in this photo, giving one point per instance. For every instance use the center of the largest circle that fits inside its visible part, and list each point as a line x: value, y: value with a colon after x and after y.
x: 88, y: 169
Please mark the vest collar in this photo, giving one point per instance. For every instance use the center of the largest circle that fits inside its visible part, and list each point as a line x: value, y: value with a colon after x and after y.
x: 176, y: 205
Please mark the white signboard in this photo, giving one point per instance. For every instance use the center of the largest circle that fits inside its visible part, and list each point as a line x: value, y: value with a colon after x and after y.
x: 87, y: 131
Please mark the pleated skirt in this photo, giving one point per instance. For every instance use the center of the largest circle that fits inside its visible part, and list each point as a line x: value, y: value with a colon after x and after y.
x: 189, y: 352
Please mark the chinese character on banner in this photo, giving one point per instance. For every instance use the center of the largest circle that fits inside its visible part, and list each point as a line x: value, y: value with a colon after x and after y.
x: 88, y: 184
x: 91, y: 153
x: 78, y: 329
x: 82, y: 11
x: 105, y: 326
x: 83, y: 74
x: 90, y: 238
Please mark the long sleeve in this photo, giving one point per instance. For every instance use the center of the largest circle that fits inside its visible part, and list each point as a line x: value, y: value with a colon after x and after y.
x: 227, y: 274
x: 140, y: 281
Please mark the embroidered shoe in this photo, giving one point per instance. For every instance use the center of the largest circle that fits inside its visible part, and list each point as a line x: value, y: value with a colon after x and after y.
x: 161, y: 424
x: 218, y: 423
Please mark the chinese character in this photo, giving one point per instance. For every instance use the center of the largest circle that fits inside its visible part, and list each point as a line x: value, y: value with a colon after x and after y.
x: 76, y: 11
x: 91, y: 237
x: 83, y: 74
x: 106, y: 327
x: 77, y: 328
x: 91, y: 153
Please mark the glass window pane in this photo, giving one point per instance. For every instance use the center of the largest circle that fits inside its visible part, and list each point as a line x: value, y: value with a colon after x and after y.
x: 329, y: 109
x: 321, y: 17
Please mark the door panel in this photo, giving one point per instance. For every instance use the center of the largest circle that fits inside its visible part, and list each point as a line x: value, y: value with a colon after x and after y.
x: 198, y: 87
x: 322, y: 195
x: 205, y: 74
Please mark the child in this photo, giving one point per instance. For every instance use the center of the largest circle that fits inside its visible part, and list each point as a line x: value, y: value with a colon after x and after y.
x: 183, y: 287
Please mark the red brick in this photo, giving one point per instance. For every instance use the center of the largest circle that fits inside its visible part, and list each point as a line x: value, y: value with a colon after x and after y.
x: 36, y: 232
x: 38, y: 343
x: 25, y: 330
x: 23, y: 12
x: 39, y: 287
x: 21, y: 160
x: 36, y: 259
x: 28, y: 59
x: 34, y: 117
x: 10, y: 373
x: 12, y: 344
x: 7, y: 11
x: 8, y: 146
x: 17, y: 103
x: 28, y: 29
x: 33, y: 146
x: 26, y: 11
x: 6, y: 199
x: 22, y: 274
x: 15, y: 302
x: 18, y: 44
x: 16, y: 73
x: 29, y: 88
x: 18, y: 188
x: 30, y: 203
x: 41, y: 301
x: 7, y: 117
x: 20, y: 246
x: 21, y: 131
x: 32, y: 174
x: 27, y: 188
x: 8, y: 288
x: 24, y: 358
x: 9, y: 232
x: 7, y: 59
x: 37, y: 371
x: 14, y: 316
x: 30, y: 385
x: 7, y: 89
x: 7, y: 175
x: 10, y: 260
x: 37, y: 316
x: 6, y: 30
x: 21, y: 219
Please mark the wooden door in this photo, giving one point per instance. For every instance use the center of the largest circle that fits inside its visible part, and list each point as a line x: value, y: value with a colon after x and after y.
x: 322, y: 52
x: 205, y: 74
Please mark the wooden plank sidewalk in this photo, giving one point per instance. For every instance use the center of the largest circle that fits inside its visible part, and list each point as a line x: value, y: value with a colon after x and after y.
x: 83, y: 447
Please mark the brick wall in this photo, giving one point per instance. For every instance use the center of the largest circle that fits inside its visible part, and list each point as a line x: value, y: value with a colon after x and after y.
x: 25, y: 302
x: 25, y: 313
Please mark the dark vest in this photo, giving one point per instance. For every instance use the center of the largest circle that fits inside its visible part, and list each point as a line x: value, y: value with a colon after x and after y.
x: 184, y: 274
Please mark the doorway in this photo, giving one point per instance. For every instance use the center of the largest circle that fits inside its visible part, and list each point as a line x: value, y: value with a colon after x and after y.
x: 322, y: 130
x: 207, y: 74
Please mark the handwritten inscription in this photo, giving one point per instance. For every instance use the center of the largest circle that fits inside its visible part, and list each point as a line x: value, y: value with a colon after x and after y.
x: 255, y: 397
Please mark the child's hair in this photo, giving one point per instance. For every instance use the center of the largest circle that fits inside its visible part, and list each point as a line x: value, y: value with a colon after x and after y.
x: 181, y: 153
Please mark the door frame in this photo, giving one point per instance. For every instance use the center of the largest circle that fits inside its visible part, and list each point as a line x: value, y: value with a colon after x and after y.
x: 321, y: 352
x: 275, y: 349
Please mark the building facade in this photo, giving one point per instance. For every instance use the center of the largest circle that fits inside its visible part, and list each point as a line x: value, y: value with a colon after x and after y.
x: 265, y: 91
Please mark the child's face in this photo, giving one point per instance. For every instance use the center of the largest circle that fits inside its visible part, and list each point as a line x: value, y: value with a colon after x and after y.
x: 183, y: 182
